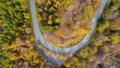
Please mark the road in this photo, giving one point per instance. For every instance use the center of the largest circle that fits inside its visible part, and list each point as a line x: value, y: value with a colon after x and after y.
x: 70, y: 50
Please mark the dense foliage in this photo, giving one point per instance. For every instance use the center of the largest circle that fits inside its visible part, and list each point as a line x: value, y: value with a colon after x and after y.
x: 17, y: 39
x: 16, y: 36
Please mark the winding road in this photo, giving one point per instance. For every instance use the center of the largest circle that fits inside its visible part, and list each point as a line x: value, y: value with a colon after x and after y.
x: 70, y: 50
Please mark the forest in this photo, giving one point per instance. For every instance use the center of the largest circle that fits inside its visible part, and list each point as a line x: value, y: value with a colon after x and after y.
x: 17, y: 38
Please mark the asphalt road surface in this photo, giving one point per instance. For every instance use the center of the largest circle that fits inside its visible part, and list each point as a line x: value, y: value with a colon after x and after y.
x: 70, y: 50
